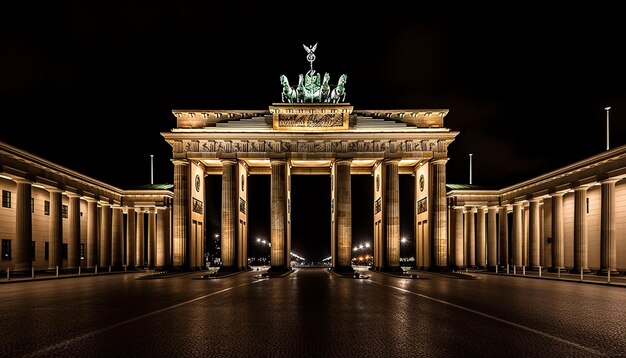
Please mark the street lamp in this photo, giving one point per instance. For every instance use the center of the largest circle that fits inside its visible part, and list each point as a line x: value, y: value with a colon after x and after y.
x: 607, y: 127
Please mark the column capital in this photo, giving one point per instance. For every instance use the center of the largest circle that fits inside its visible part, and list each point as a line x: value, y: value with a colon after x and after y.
x: 391, y: 161
x: 557, y: 194
x: 180, y: 161
x: 54, y: 190
x: 459, y: 207
x: 493, y: 207
x: 520, y: 203
x: 583, y: 187
x: 22, y: 180
x: 343, y: 161
x: 90, y: 199
x: 228, y: 161
x: 278, y: 161
x: 71, y: 195
x: 609, y: 180
x: 440, y: 160
x: 104, y: 203
x: 470, y: 209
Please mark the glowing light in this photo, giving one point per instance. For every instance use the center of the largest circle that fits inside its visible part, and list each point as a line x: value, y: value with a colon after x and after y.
x: 367, y: 245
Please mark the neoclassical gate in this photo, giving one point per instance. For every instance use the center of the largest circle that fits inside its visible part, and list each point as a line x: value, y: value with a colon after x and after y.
x: 310, y: 138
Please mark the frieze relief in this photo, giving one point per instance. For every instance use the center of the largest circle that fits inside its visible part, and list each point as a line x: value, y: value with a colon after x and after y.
x: 310, y: 120
x: 345, y: 146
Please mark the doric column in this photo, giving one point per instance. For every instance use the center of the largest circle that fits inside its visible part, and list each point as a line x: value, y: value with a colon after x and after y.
x: 438, y: 214
x: 492, y: 237
x: 608, y: 257
x: 163, y: 230
x: 534, y: 234
x: 23, y: 227
x: 151, y: 237
x: 55, y: 234
x: 105, y: 235
x: 581, y: 253
x: 117, y: 236
x: 181, y: 212
x: 518, y: 234
x: 557, y: 230
x: 470, y: 238
x: 459, y: 258
x: 140, y: 238
x: 92, y: 232
x: 73, y: 239
x: 230, y: 215
x: 392, y: 214
x: 344, y: 216
x: 279, y: 257
x: 504, y: 235
x: 481, y: 261
x: 131, y: 237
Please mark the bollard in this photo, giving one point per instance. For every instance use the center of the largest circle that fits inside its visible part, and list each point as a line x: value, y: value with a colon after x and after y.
x: 514, y: 269
x: 96, y: 271
x: 32, y: 274
x: 79, y: 267
x: 496, y: 268
x: 581, y: 274
x: 8, y: 274
x: 523, y: 270
x: 558, y: 272
x: 57, y: 267
x: 125, y: 268
x: 109, y: 268
x: 507, y: 269
x: 539, y: 271
x: 608, y: 275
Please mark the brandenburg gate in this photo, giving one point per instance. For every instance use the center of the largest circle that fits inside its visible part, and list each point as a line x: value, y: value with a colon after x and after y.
x: 311, y: 132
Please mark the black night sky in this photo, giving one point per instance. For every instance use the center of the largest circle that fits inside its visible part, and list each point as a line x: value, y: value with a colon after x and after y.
x: 91, y: 87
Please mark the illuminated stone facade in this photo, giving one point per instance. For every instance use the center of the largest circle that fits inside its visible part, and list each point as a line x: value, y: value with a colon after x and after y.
x: 573, y: 219
x: 53, y: 217
x: 321, y: 138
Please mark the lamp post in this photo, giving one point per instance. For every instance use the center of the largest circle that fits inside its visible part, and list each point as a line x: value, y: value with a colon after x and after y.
x: 607, y: 127
x: 470, y: 168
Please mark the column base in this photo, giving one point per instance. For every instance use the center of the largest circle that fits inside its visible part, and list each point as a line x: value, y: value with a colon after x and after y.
x: 343, y: 270
x: 556, y: 269
x: 17, y: 272
x: 605, y: 272
x: 393, y: 269
x: 227, y: 269
x: 577, y: 270
x: 277, y: 271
